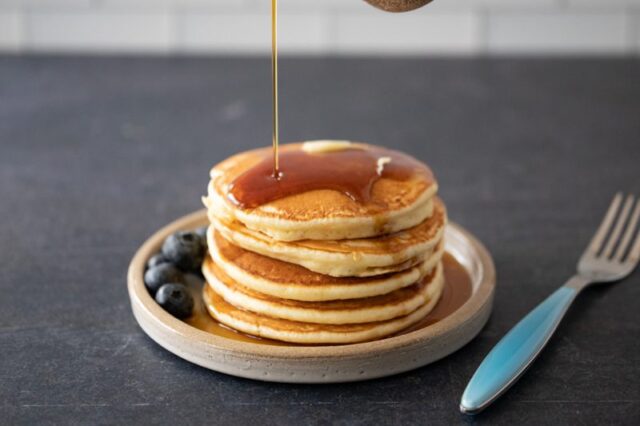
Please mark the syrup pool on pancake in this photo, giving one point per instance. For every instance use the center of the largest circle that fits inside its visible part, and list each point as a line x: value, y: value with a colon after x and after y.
x: 327, y: 190
x: 336, y: 165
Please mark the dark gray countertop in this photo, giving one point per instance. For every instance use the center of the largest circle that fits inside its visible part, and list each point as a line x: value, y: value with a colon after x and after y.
x: 98, y: 153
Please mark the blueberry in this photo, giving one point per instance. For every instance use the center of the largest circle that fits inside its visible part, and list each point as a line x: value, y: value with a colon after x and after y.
x: 161, y: 274
x: 156, y: 260
x: 185, y: 250
x: 175, y: 299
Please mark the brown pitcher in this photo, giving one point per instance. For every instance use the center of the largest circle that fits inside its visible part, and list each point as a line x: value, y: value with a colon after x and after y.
x: 398, y: 5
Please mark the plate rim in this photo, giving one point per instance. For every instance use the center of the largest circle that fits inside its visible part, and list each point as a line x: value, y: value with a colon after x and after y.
x: 140, y: 298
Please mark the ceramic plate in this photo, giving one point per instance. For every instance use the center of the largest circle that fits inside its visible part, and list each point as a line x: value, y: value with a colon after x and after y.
x: 317, y: 364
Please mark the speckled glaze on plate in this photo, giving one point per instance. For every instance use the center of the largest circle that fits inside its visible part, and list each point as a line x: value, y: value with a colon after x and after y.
x: 317, y: 364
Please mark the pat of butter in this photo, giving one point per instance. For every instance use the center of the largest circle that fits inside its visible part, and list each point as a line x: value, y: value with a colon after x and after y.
x: 381, y: 163
x: 322, y: 146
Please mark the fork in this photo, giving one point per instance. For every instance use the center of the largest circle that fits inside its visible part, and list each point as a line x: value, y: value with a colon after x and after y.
x: 610, y: 256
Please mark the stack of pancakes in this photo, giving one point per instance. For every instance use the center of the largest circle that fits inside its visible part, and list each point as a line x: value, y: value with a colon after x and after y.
x: 319, y: 267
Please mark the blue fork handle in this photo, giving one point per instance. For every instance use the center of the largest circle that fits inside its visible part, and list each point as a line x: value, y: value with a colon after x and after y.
x: 516, y: 351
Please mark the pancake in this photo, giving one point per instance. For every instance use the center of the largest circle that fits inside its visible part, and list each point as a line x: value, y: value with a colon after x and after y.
x: 326, y: 214
x: 311, y: 333
x: 338, y: 258
x: 289, y: 281
x: 369, y: 309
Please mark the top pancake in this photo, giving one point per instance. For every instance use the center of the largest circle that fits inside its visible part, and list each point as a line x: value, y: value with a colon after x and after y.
x: 325, y: 214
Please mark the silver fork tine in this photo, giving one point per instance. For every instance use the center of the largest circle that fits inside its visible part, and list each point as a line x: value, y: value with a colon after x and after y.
x: 634, y: 254
x: 598, y: 238
x: 617, y: 229
x: 631, y: 229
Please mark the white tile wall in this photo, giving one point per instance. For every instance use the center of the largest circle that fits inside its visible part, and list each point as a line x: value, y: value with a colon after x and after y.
x: 634, y: 34
x: 557, y: 33
x: 250, y: 32
x: 602, y: 3
x: 407, y: 33
x: 100, y: 31
x: 10, y: 30
x: 610, y: 27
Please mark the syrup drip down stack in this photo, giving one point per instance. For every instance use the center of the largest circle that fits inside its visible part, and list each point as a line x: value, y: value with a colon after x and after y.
x: 345, y: 246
